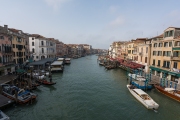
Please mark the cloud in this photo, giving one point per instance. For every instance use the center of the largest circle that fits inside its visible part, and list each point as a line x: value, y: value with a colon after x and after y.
x: 56, y: 4
x: 113, y: 9
x: 117, y: 22
x: 174, y: 13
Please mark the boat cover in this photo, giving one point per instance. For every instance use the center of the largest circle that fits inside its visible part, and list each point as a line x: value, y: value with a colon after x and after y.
x: 140, y: 92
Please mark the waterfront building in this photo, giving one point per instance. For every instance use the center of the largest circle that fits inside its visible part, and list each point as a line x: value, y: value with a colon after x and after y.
x: 79, y: 50
x: 133, y: 48
x: 59, y: 48
x: 18, y: 43
x: 6, y: 53
x: 42, y: 47
x: 165, y: 60
x: 143, y: 52
x: 87, y: 48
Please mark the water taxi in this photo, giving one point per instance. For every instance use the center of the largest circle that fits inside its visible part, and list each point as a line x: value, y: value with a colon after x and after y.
x: 143, y: 97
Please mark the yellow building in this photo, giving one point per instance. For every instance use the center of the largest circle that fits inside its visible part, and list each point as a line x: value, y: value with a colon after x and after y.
x: 143, y: 53
x: 165, y: 61
x: 18, y: 43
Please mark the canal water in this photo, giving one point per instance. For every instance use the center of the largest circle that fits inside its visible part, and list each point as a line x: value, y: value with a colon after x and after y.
x: 87, y: 91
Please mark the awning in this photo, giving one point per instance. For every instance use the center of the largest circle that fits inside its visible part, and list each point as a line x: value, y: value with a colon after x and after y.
x: 154, y: 68
x: 172, y: 73
x: 176, y: 48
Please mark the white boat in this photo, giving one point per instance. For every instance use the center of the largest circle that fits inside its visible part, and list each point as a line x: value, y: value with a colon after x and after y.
x: 143, y: 97
x: 3, y: 116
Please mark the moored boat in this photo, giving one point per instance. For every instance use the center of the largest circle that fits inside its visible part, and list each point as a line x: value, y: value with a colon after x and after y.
x: 170, y: 92
x: 67, y: 60
x: 143, y: 97
x: 45, y: 82
x: 3, y: 116
x: 23, y: 96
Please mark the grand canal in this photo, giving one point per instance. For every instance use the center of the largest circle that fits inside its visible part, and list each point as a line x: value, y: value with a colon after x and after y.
x: 86, y: 91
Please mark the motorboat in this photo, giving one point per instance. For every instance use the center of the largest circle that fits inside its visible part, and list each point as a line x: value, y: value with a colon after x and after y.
x: 170, y: 92
x: 22, y: 96
x: 143, y: 97
x: 3, y: 116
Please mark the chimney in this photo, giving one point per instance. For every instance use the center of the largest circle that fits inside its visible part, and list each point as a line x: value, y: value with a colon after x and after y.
x: 6, y: 27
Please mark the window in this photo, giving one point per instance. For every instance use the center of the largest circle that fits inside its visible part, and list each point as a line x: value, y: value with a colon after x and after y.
x: 32, y: 43
x: 145, y: 59
x: 36, y: 57
x: 171, y: 33
x: 32, y: 38
x: 164, y: 53
x: 159, y: 53
x: 175, y: 65
x: 177, y: 43
x: 42, y: 50
x: 33, y: 50
x: 2, y: 37
x: 0, y: 48
x: 146, y: 49
x: 153, y: 62
x: 155, y: 44
x: 129, y: 51
x: 160, y: 44
x: 154, y: 53
x: 159, y: 63
x: 168, y: 53
x: 170, y: 44
x: 166, y: 44
x: 166, y: 64
x: 42, y: 43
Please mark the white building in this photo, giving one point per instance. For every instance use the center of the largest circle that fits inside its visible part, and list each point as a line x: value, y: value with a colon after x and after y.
x: 41, y: 47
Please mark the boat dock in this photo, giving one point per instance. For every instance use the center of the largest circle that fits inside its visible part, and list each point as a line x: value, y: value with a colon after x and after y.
x: 4, y: 101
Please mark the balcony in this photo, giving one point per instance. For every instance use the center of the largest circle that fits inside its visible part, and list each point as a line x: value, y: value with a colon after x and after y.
x: 175, y: 58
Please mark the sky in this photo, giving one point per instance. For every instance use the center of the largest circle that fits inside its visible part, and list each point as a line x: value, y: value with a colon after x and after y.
x: 95, y: 22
